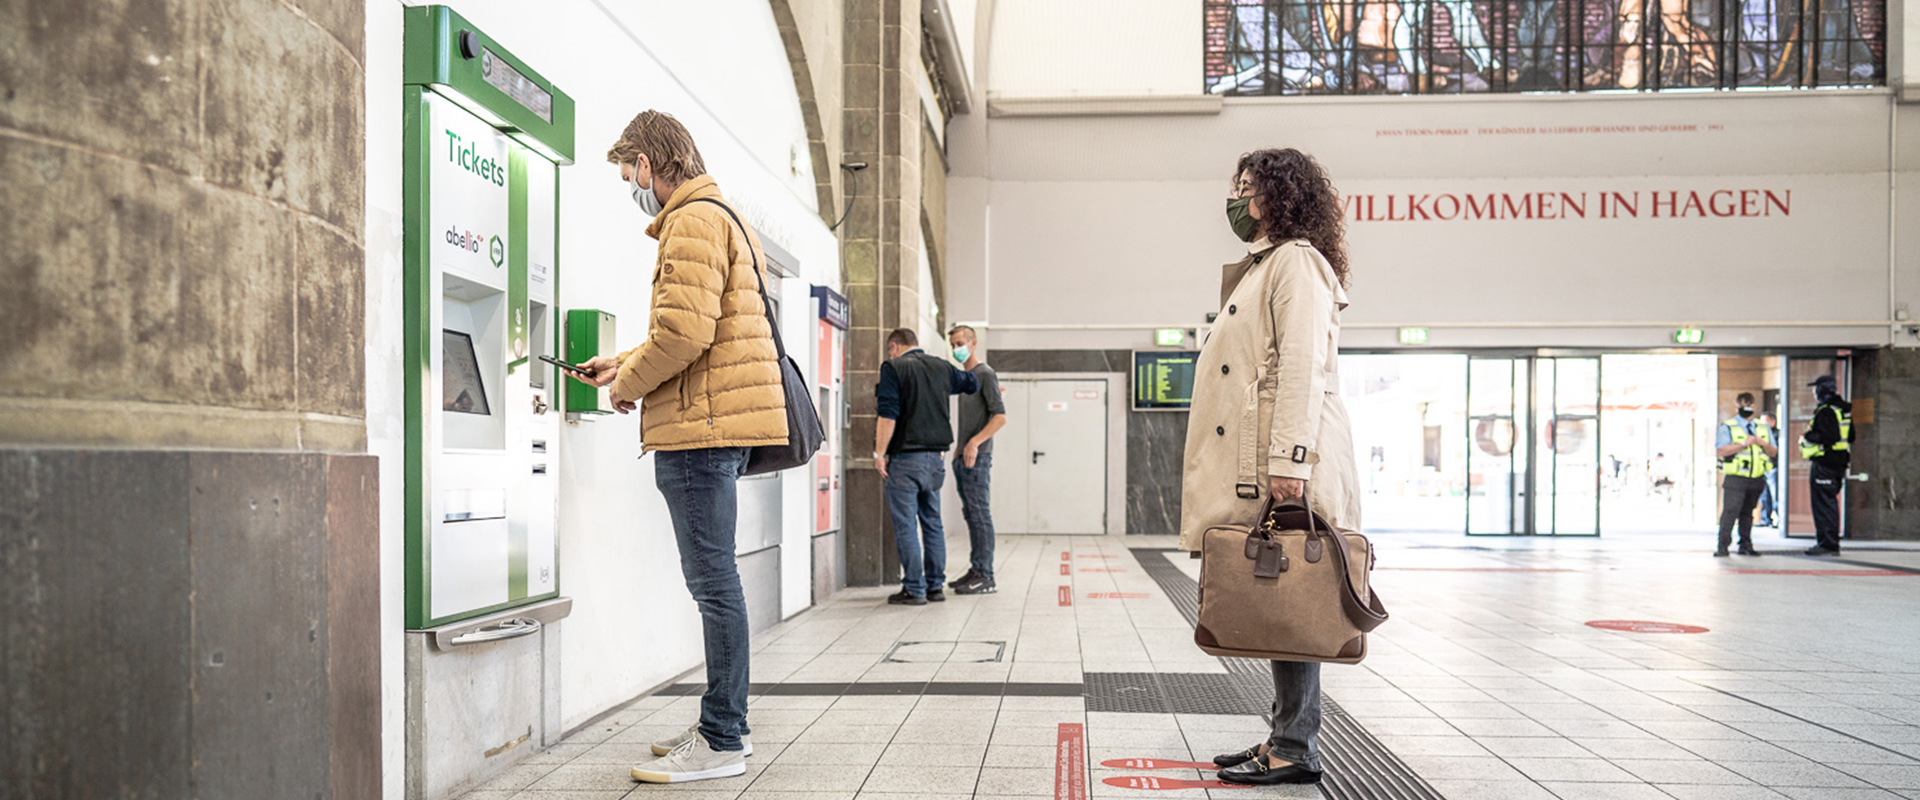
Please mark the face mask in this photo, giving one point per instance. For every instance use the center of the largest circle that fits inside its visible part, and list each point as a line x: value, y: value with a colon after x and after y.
x: 1244, y: 225
x: 961, y: 353
x: 1746, y: 412
x: 643, y: 195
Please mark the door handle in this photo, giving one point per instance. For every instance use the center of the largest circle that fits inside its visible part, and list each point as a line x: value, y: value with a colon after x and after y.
x: 1036, y: 456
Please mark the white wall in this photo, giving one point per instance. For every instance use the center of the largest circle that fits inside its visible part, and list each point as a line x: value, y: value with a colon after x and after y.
x: 720, y: 68
x: 1094, y: 48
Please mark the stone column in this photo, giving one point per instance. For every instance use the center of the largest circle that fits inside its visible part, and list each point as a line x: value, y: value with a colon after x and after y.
x: 188, y: 549
x: 880, y: 243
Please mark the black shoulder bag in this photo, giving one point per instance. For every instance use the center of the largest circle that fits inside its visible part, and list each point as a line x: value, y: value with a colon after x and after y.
x: 804, y: 433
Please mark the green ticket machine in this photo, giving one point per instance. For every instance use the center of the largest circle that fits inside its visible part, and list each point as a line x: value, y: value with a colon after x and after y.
x: 486, y: 136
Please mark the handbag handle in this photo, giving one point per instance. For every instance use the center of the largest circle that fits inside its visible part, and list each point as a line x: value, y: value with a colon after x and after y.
x: 1365, y: 615
x: 778, y: 344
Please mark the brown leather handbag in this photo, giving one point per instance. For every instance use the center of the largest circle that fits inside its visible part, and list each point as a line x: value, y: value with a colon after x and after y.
x: 1287, y: 588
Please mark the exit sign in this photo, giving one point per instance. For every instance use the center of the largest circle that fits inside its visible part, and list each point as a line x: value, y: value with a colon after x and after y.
x: 1689, y: 335
x: 1413, y: 335
x: 1169, y: 337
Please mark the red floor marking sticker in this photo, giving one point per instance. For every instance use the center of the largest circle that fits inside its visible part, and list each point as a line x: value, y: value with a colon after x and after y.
x: 1066, y: 595
x: 1066, y: 570
x: 1116, y: 595
x: 1643, y: 626
x: 1151, y: 783
x: 1838, y: 573
x: 1070, y: 763
x: 1156, y: 763
x: 1066, y: 556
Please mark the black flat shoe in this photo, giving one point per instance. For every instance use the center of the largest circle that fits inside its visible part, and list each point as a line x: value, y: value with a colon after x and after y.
x: 901, y: 598
x: 1719, y: 554
x: 1234, y: 759
x: 1255, y: 772
x: 936, y: 595
x: 1748, y: 551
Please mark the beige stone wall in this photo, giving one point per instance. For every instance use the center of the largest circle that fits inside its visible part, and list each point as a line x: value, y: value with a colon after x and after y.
x: 814, y: 34
x: 184, y: 262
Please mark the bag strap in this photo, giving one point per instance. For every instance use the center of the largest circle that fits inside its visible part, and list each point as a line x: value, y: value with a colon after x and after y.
x: 779, y: 345
x: 1365, y: 615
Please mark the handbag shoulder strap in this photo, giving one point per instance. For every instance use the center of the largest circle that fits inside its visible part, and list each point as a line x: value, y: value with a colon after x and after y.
x: 778, y: 344
x: 1364, y: 614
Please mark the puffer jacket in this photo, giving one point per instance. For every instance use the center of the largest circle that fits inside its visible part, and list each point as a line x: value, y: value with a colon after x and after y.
x: 708, y: 370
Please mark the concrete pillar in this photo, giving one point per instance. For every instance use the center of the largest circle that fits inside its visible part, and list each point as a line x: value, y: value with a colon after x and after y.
x: 188, y: 553
x: 880, y: 240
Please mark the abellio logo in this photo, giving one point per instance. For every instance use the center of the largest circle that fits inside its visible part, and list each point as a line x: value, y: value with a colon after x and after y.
x: 466, y: 240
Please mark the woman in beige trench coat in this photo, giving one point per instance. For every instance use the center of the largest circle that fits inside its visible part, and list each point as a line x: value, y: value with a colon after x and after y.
x: 1267, y: 417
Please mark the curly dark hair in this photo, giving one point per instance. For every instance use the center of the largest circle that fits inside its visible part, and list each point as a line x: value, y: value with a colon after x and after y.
x: 1297, y: 201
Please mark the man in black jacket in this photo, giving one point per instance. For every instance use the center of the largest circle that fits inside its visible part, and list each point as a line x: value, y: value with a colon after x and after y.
x: 913, y: 433
x: 1828, y: 445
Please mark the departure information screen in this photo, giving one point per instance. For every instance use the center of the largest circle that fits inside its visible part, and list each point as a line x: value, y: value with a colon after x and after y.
x: 1163, y: 379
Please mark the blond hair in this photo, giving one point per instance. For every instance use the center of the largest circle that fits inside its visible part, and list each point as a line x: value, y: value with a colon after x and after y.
x: 665, y: 143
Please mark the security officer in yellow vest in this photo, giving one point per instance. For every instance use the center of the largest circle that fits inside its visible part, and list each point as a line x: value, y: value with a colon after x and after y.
x: 1827, y: 444
x: 1745, y: 447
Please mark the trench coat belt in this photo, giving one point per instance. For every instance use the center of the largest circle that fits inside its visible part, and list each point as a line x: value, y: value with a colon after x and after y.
x: 1250, y: 484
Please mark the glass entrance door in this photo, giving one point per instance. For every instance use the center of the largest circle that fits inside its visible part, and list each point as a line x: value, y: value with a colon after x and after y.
x: 1800, y: 405
x: 1534, y: 451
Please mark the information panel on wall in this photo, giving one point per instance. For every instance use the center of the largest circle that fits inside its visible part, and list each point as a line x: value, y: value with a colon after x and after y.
x: 1163, y: 379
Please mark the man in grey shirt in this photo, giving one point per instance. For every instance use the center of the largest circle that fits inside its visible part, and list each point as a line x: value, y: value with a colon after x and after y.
x: 982, y: 414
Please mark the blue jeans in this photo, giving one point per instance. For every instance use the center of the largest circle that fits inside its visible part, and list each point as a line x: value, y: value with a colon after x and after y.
x: 699, y: 486
x: 1296, y: 713
x: 973, y: 485
x: 913, y: 500
x: 1766, y: 498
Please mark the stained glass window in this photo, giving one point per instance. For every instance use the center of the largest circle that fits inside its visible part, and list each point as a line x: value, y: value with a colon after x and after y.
x: 1286, y: 47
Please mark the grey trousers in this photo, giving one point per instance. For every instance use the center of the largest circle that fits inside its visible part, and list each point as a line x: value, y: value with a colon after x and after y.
x: 1296, y: 713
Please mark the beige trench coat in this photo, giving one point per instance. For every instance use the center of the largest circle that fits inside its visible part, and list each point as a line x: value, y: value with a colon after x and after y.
x: 1266, y: 395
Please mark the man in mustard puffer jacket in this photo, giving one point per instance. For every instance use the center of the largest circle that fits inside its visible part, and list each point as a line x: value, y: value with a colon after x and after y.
x: 709, y: 379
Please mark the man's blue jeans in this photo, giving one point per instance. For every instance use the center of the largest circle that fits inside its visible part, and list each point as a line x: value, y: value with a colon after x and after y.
x: 913, y: 500
x: 700, y: 489
x: 974, y: 504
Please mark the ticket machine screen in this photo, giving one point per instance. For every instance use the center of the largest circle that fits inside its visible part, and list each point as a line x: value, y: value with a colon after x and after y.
x: 461, y: 388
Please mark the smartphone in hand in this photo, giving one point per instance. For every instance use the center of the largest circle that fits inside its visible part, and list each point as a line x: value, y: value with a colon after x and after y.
x: 577, y: 372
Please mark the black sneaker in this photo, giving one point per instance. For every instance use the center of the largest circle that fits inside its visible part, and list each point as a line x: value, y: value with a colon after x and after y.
x: 1748, y: 551
x: 1821, y: 551
x: 970, y: 577
x: 936, y: 595
x: 975, y: 586
x: 903, y: 599
x: 1719, y: 554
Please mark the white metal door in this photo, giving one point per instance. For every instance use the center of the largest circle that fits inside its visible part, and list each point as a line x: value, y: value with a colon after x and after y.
x: 1008, y: 496
x: 1067, y: 457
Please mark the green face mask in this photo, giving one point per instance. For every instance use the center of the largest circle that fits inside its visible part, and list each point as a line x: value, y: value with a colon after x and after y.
x: 1244, y: 225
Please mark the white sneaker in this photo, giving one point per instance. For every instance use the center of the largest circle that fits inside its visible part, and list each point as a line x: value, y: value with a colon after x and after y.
x: 692, y: 760
x: 665, y: 746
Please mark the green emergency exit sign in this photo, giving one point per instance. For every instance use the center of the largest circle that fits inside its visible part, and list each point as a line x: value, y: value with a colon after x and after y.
x: 1169, y: 337
x: 1413, y: 336
x: 1689, y: 335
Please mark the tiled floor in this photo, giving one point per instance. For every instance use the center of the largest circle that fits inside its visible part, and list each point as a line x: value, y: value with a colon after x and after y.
x: 1487, y: 682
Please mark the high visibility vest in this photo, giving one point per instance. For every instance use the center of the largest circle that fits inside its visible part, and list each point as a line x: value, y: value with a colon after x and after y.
x: 1753, y: 461
x: 1811, y: 450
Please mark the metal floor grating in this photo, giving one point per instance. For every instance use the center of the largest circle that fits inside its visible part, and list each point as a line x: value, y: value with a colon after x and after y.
x: 1167, y: 693
x: 1358, y: 766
